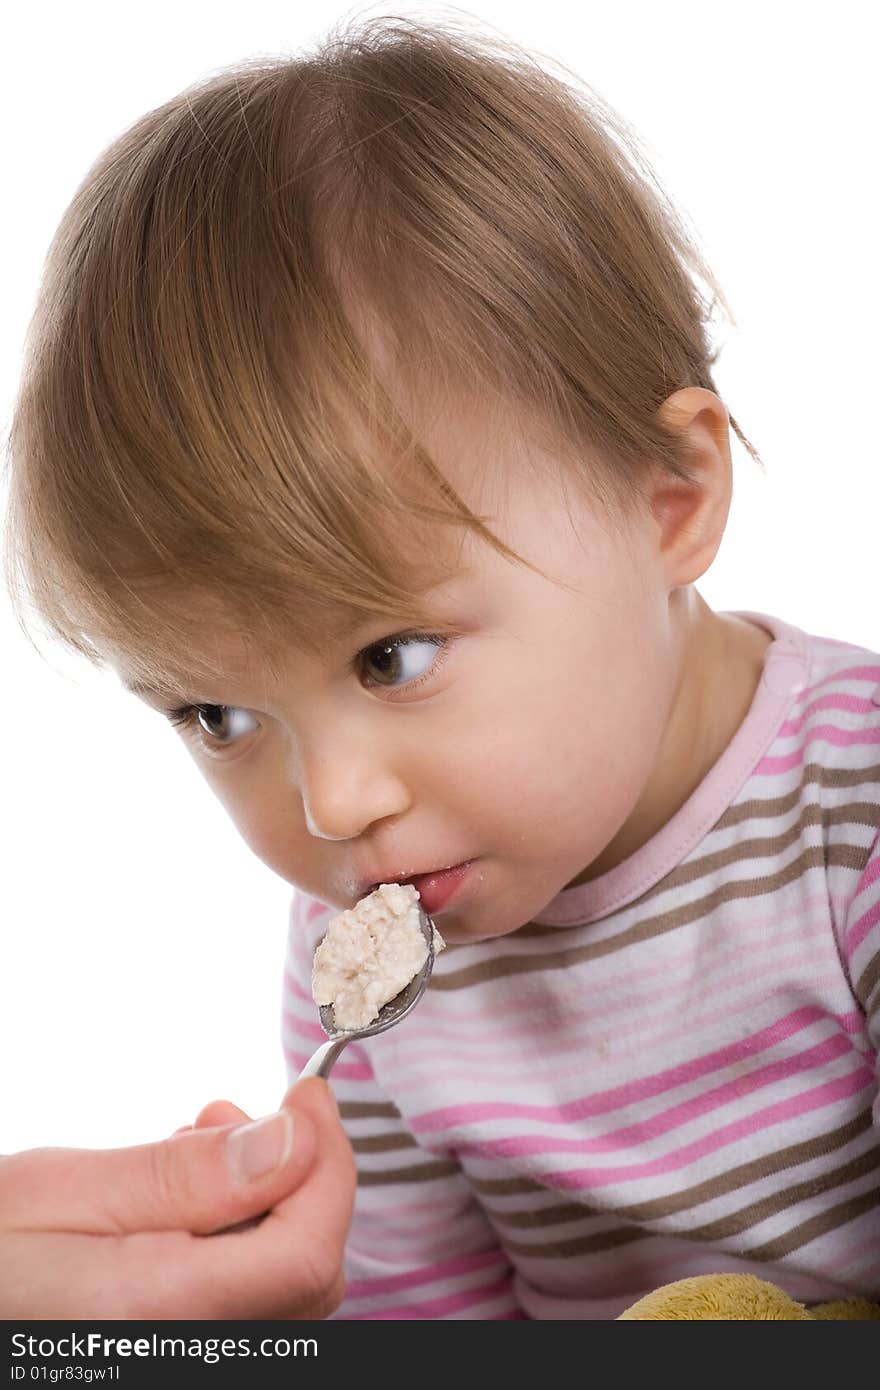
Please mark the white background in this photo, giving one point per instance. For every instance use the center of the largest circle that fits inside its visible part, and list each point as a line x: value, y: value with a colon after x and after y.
x: 141, y: 943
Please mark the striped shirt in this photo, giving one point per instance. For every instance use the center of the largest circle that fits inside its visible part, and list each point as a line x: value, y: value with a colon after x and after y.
x: 669, y: 1071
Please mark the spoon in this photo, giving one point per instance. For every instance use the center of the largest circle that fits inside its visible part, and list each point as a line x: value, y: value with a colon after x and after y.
x: 322, y: 1060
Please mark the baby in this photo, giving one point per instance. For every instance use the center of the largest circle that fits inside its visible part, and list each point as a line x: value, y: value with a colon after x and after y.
x: 368, y: 431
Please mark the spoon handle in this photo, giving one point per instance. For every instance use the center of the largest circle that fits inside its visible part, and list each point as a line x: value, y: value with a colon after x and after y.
x: 321, y: 1061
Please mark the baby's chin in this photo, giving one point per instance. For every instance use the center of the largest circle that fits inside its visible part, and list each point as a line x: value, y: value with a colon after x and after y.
x: 465, y: 928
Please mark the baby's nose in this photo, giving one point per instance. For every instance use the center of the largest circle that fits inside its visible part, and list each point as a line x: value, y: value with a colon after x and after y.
x: 341, y: 805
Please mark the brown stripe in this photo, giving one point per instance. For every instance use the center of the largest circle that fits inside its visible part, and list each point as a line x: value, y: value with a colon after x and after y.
x: 848, y: 856
x: 712, y: 1231
x: 867, y: 982
x: 383, y: 1143
x: 500, y: 966
x: 582, y: 1245
x: 853, y: 813
x: 840, y: 855
x: 759, y: 1211
x: 506, y: 1187
x: 817, y: 1226
x: 758, y: 847
x: 719, y: 1186
x: 425, y: 1172
x: 367, y: 1110
x: 813, y: 775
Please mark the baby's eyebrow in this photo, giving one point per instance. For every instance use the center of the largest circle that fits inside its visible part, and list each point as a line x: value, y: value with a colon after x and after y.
x: 158, y: 692
x: 341, y: 628
x: 175, y: 695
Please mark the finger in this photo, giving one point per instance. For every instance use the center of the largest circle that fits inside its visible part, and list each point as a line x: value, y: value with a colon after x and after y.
x: 216, y: 1112
x: 290, y: 1264
x: 220, y: 1112
x: 173, y: 1274
x: 197, y: 1180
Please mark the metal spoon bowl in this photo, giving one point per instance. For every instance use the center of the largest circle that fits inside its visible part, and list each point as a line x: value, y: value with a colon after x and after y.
x: 322, y: 1060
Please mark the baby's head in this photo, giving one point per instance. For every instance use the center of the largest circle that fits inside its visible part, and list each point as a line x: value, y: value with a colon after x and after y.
x: 393, y: 339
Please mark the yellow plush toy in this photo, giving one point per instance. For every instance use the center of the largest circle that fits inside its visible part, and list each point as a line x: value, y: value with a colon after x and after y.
x: 740, y: 1297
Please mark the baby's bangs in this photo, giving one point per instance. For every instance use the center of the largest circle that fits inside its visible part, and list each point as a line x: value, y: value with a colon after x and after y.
x: 198, y: 420
x: 152, y: 563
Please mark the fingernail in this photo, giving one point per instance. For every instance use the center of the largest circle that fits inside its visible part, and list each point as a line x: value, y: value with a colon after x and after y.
x: 256, y: 1149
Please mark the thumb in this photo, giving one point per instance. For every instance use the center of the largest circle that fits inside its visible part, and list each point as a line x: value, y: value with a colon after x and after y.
x: 216, y: 1112
x: 199, y: 1180
x: 220, y: 1112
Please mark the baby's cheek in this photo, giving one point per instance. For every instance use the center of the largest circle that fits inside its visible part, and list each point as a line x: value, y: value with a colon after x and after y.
x: 272, y: 825
x: 578, y: 771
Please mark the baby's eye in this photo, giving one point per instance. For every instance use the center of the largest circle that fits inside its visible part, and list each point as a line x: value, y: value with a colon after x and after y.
x: 398, y: 661
x: 401, y: 660
x: 223, y: 717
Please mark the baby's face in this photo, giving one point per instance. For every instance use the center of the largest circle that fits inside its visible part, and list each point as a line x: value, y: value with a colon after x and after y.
x: 523, y: 744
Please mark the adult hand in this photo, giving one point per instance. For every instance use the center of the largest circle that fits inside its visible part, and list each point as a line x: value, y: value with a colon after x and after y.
x: 143, y: 1232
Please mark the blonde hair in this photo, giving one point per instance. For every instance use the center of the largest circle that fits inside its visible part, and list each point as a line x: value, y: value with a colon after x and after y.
x: 198, y: 417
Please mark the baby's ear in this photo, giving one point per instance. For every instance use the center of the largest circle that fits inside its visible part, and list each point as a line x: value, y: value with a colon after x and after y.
x: 681, y: 408
x: 691, y: 513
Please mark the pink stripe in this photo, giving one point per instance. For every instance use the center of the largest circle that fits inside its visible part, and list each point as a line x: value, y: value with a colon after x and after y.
x: 845, y: 1086
x: 429, y: 1274
x: 455, y: 1029
x: 501, y: 1051
x: 313, y: 1031
x: 628, y: 1285
x: 869, y: 1278
x: 301, y: 950
x: 845, y: 738
x: 848, y: 673
x: 602, y: 1102
x: 296, y: 989
x: 872, y: 868
x: 432, y: 1212
x: 663, y: 1259
x: 849, y: 1254
x: 674, y: 1118
x: 451, y: 1031
x: 860, y: 929
x: 439, y: 1307
x: 455, y: 1015
x: 840, y: 700
x: 523, y: 1068
x: 837, y: 738
x: 605, y: 1017
x: 566, y: 1065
